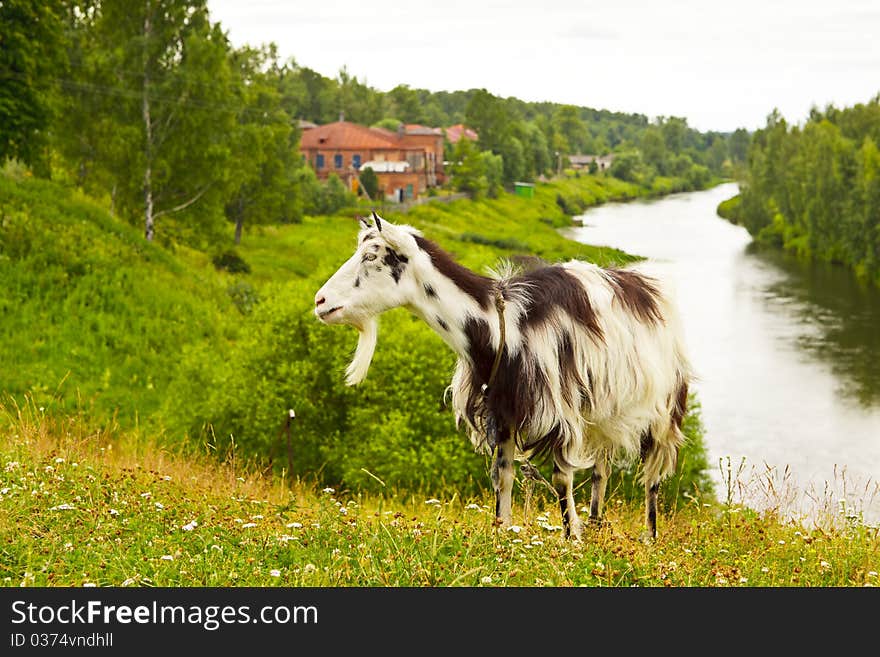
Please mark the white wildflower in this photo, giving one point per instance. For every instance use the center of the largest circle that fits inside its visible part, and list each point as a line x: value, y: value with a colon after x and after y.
x: 309, y: 568
x: 48, y: 468
x: 63, y: 507
x: 516, y: 529
x: 188, y: 527
x: 275, y: 573
x: 433, y: 500
x: 294, y: 525
x: 343, y: 510
x: 4, y: 490
x: 159, y: 506
x: 114, y: 512
x: 248, y: 525
x: 89, y: 585
x: 472, y: 507
x: 486, y: 580
x: 167, y: 557
x: 872, y: 573
x: 781, y: 542
x: 59, y: 459
x: 825, y: 564
x: 257, y: 517
x: 743, y: 580
x: 336, y: 552
x: 166, y: 478
x: 765, y: 569
x: 216, y: 547
x: 11, y: 465
x: 147, y: 495
x: 328, y: 490
x: 416, y: 532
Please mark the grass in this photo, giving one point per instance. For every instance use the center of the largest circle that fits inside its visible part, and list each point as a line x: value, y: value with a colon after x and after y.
x: 80, y: 506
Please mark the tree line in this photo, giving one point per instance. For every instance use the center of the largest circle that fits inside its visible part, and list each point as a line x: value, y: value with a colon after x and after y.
x: 149, y: 106
x: 815, y: 189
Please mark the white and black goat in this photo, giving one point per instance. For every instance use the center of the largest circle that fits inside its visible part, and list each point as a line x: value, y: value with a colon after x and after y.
x: 580, y: 363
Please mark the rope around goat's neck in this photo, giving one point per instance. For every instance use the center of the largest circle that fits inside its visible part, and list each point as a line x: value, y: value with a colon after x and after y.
x: 499, y: 306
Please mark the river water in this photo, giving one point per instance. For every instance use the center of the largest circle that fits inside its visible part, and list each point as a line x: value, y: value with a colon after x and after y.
x: 787, y: 354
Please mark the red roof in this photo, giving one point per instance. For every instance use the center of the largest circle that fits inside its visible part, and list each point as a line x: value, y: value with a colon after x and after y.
x: 345, y: 135
x: 456, y: 132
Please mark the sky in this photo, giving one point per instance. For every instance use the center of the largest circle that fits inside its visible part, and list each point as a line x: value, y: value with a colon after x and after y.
x: 721, y: 65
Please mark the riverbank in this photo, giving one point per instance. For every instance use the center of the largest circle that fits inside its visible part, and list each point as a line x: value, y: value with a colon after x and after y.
x: 787, y: 351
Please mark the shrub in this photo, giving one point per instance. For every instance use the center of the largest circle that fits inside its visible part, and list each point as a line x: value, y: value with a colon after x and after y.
x: 231, y: 262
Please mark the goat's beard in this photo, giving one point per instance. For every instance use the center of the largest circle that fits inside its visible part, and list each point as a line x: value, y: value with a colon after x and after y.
x: 368, y: 332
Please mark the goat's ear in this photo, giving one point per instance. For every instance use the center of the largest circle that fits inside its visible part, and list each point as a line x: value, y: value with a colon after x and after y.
x: 363, y: 221
x: 377, y: 220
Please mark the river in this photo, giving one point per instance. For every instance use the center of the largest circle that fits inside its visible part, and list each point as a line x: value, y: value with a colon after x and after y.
x: 787, y: 354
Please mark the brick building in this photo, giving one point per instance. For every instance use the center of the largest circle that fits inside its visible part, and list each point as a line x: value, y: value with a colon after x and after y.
x: 406, y: 162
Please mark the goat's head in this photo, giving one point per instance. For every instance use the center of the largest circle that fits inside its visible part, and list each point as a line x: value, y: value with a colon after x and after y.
x: 371, y: 281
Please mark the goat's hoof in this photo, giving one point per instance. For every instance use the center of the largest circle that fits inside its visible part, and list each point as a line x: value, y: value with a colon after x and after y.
x: 576, y: 532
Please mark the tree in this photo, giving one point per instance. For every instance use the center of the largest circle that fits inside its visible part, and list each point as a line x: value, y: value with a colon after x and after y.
x: 568, y: 123
x: 264, y: 146
x: 653, y: 148
x: 626, y: 166
x: 738, y: 145
x: 170, y: 108
x: 31, y: 58
x: 369, y: 182
x: 468, y: 169
x: 675, y: 130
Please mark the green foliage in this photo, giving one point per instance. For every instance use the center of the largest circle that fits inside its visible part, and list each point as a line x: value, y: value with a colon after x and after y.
x: 468, y: 169
x: 730, y: 209
x: 231, y: 261
x: 91, y: 316
x: 31, y: 58
x: 370, y: 182
x: 814, y: 190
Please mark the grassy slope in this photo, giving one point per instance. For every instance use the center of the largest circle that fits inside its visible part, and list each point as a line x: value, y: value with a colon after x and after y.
x: 77, y: 507
x: 92, y: 315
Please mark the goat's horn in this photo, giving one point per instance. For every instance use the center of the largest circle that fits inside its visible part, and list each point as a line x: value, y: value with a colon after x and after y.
x: 364, y: 221
x: 376, y: 219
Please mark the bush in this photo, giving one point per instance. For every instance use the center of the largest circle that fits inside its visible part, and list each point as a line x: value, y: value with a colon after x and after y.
x: 231, y: 262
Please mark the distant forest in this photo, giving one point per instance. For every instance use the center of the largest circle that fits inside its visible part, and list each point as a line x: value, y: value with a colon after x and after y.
x: 815, y: 189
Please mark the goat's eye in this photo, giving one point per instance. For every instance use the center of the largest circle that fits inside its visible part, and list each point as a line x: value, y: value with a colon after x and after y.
x: 368, y: 257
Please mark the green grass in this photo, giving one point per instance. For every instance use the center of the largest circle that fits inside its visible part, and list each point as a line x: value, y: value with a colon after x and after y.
x: 91, y: 315
x: 108, y: 508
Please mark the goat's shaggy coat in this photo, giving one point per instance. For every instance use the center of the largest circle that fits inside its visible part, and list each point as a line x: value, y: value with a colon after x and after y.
x: 592, y: 368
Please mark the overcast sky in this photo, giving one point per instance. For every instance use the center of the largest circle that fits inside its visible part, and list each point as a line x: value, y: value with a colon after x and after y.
x: 722, y: 65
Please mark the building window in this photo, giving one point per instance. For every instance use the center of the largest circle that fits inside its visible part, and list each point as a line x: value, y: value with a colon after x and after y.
x: 337, y: 161
x: 356, y: 160
x: 409, y: 191
x: 319, y: 161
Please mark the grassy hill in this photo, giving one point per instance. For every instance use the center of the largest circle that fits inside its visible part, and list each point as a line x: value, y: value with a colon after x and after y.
x: 93, y: 316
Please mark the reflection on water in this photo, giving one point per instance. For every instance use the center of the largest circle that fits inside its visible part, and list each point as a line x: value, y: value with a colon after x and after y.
x: 840, y: 316
x: 788, y: 353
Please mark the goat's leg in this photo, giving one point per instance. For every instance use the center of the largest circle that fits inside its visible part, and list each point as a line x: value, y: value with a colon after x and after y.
x: 597, y: 492
x: 563, y: 480
x: 651, y: 489
x: 502, y: 478
x: 652, y: 466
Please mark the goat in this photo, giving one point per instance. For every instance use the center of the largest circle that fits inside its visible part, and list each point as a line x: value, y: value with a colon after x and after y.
x: 572, y: 361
